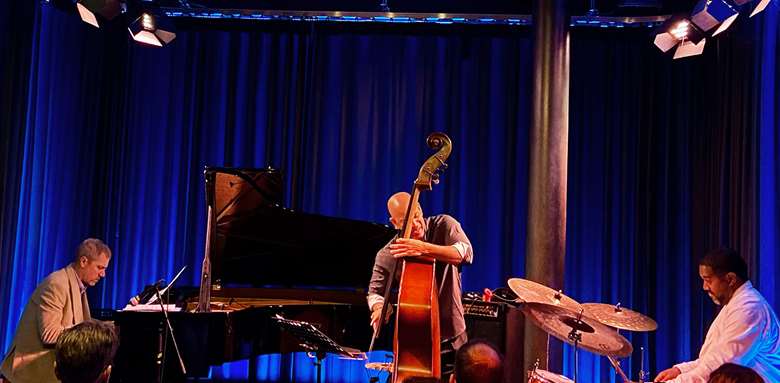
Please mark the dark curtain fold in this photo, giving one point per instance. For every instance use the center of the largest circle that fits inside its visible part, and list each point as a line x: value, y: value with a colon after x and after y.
x: 17, y: 43
x: 105, y: 138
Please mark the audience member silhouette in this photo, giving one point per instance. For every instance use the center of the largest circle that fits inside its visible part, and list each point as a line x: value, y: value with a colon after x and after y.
x: 84, y: 353
x: 478, y: 362
x: 734, y: 373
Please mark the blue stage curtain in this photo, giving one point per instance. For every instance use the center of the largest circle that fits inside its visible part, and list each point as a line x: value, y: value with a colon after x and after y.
x: 769, y: 148
x: 115, y: 137
x: 105, y: 138
x: 662, y: 165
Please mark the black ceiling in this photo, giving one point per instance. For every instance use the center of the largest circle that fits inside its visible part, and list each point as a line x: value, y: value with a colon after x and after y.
x: 518, y: 7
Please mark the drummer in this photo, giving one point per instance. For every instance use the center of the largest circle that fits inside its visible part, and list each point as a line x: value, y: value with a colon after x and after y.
x: 745, y: 332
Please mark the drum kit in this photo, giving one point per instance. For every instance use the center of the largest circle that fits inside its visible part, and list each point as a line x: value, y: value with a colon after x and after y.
x: 591, y: 326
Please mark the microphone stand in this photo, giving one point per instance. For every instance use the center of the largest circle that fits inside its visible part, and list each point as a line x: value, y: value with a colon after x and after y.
x: 173, y: 337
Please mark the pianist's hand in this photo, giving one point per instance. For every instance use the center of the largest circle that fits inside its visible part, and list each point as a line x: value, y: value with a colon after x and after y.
x: 667, y: 374
x: 376, y: 311
x: 407, y: 247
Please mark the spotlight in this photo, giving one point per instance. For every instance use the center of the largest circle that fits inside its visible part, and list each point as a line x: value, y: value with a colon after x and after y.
x: 679, y: 30
x: 709, y: 13
x: 107, y: 9
x: 147, y: 29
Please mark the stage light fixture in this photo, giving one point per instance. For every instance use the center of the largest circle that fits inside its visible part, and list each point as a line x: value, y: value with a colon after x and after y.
x: 709, y: 13
x: 762, y: 4
x: 689, y: 48
x: 679, y: 31
x: 93, y: 12
x: 149, y: 29
x: 760, y: 7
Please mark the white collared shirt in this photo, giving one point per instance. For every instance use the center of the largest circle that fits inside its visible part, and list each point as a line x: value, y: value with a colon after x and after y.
x: 745, y: 332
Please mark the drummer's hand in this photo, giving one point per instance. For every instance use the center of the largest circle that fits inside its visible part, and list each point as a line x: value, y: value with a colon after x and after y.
x: 407, y: 247
x: 667, y: 374
x: 376, y: 311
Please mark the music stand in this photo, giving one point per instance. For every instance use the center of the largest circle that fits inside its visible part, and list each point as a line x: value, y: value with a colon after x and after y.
x: 154, y: 298
x: 158, y: 298
x: 316, y: 341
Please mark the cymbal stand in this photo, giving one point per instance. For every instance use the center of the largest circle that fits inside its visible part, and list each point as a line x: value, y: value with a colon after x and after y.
x: 616, y: 365
x: 642, y: 372
x: 614, y: 362
x: 546, y: 354
x: 576, y: 337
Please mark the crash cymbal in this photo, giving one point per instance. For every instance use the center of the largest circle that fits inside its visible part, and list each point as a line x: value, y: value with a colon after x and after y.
x: 530, y: 291
x: 559, y: 321
x: 619, y: 317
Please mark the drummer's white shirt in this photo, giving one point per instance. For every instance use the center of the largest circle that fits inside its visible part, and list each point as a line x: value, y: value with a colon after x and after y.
x: 745, y: 332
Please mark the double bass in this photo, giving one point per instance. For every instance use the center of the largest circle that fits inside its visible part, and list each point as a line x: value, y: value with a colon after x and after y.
x: 417, y: 340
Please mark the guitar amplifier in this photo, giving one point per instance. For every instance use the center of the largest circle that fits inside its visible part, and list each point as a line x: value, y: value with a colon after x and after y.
x: 502, y: 325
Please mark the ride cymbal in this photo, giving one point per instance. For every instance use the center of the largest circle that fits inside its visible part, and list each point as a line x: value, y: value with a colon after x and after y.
x: 619, y: 317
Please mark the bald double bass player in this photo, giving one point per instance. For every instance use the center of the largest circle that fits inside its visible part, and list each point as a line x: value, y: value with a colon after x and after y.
x: 439, y: 237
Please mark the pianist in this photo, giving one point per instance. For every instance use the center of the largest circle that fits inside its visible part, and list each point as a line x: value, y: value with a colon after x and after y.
x: 58, y: 303
x: 439, y: 237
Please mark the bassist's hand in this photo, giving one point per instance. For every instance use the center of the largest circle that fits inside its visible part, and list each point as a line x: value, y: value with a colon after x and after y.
x: 407, y: 247
x: 376, y: 311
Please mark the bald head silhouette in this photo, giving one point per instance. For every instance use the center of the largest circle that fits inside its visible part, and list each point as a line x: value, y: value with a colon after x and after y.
x: 396, y: 207
x: 478, y: 361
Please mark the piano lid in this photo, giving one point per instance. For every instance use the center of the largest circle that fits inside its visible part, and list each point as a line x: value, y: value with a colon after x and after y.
x: 258, y: 243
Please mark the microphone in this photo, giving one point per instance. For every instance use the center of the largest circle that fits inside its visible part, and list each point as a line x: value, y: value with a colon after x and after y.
x: 146, y: 294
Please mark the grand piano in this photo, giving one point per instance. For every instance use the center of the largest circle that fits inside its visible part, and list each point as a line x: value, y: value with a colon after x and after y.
x: 261, y: 260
